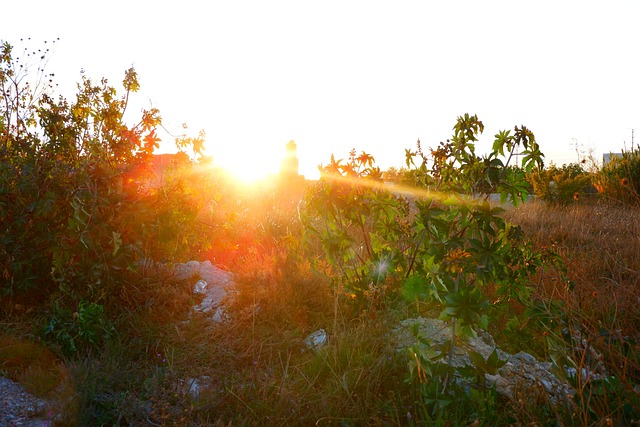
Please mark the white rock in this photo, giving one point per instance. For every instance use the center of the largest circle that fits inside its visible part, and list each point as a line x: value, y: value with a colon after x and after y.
x: 200, y: 287
x: 219, y: 316
x: 316, y: 339
x: 520, y: 372
x: 212, y: 282
x: 195, y: 386
x: 183, y: 272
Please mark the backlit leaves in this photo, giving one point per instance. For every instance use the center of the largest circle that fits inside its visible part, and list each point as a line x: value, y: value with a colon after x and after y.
x: 448, y: 243
x: 130, y: 81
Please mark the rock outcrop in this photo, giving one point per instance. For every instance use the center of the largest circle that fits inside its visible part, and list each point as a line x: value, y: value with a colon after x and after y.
x: 519, y: 372
x: 211, y: 282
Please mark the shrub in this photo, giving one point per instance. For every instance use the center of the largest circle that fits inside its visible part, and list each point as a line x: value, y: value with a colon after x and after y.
x: 352, y: 223
x: 619, y: 180
x: 563, y: 185
x: 74, y: 189
x: 440, y: 240
x: 85, y: 327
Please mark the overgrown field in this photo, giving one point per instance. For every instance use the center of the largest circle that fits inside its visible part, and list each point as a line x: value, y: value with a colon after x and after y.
x: 84, y: 207
x: 263, y: 376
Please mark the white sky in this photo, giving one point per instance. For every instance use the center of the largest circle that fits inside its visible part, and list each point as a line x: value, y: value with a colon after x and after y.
x: 370, y: 75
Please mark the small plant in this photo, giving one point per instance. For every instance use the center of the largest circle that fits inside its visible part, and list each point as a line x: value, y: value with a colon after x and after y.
x: 356, y: 231
x: 86, y: 327
x: 80, y: 201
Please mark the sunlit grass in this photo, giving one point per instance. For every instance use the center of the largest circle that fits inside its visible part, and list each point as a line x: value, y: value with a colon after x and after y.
x: 263, y: 375
x: 600, y: 244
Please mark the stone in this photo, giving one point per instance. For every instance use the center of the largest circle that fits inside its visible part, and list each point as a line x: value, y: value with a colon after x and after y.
x: 188, y: 271
x: 200, y: 287
x: 438, y: 332
x: 523, y: 372
x: 212, y: 274
x: 210, y: 281
x: 520, y: 372
x: 194, y: 387
x: 316, y: 339
x: 214, y: 298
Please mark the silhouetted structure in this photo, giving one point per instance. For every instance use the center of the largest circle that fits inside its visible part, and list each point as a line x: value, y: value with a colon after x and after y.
x: 289, y: 165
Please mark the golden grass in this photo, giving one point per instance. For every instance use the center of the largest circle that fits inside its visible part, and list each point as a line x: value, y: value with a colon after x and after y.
x: 600, y: 245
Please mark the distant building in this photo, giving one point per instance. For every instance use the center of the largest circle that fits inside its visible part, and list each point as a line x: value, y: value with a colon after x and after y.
x: 606, y: 157
x: 289, y: 165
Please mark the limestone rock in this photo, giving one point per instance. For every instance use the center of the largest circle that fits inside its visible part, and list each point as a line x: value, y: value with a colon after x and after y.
x: 316, y: 339
x: 211, y: 282
x: 438, y: 332
x: 194, y: 387
x: 519, y: 373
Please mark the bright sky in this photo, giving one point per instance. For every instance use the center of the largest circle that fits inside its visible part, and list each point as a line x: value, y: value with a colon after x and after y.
x: 370, y: 75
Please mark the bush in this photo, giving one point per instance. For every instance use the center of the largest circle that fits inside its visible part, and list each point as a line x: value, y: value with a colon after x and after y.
x: 80, y: 201
x: 440, y: 241
x: 75, y: 193
x: 619, y: 180
x: 563, y: 185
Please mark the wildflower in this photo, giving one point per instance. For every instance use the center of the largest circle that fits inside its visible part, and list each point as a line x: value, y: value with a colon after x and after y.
x: 624, y: 182
x: 576, y: 196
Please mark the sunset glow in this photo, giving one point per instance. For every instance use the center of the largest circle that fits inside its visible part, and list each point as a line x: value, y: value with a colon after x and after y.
x: 246, y: 169
x: 381, y: 79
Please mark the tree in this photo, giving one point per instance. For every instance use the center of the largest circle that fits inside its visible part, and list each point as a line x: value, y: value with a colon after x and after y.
x: 441, y: 240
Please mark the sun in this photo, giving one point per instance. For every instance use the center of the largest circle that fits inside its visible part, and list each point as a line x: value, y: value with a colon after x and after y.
x: 247, y: 169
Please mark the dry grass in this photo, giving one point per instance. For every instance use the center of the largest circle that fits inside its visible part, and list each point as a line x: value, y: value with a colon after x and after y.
x: 600, y: 246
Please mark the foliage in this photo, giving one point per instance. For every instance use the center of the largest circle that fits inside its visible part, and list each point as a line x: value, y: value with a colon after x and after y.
x: 444, y: 240
x: 562, y: 185
x: 461, y: 402
x: 619, y: 179
x: 85, y: 327
x: 80, y: 206
x: 73, y: 177
x: 357, y: 226
x: 80, y: 195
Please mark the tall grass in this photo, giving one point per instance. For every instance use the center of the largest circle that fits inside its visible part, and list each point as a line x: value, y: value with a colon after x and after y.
x: 600, y: 245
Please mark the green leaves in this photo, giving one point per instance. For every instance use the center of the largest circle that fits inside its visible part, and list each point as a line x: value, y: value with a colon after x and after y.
x: 80, y: 200
x: 490, y: 365
x: 356, y: 223
x: 467, y: 305
x: 466, y: 129
x: 85, y: 327
x: 414, y: 288
x: 450, y: 245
